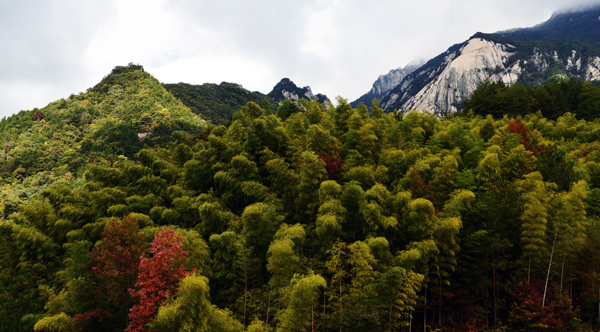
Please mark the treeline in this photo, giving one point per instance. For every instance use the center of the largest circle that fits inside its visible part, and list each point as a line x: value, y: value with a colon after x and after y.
x: 553, y: 98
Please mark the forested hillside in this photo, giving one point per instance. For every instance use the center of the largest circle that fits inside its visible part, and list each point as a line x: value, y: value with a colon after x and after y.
x: 553, y: 98
x: 127, y: 111
x: 335, y: 219
x: 217, y: 103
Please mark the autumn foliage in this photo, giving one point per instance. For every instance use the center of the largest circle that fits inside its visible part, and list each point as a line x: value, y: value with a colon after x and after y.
x: 158, y: 277
x: 114, y: 262
x: 527, y: 311
x: 519, y: 128
x: 333, y: 164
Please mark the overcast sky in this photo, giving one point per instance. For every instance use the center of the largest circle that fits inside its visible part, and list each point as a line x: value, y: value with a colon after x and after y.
x: 50, y: 49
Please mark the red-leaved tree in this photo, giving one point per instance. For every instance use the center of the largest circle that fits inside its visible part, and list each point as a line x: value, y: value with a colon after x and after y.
x: 519, y: 128
x: 527, y: 312
x: 114, y: 262
x: 159, y: 275
x: 333, y: 164
x: 422, y: 189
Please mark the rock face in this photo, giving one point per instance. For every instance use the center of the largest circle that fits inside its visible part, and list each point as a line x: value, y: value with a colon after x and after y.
x: 455, y: 78
x: 286, y: 89
x: 385, y: 83
x: 530, y: 56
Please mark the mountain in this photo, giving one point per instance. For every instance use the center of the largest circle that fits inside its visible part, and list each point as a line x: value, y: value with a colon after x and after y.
x: 286, y: 89
x: 387, y: 82
x: 216, y: 102
x: 564, y: 46
x: 127, y: 111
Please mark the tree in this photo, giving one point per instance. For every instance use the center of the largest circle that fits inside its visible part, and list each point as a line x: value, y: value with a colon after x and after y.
x: 536, y: 195
x: 312, y: 173
x: 299, y: 313
x: 331, y: 214
x: 114, y: 261
x: 376, y: 111
x: 526, y: 311
x: 341, y: 116
x: 191, y: 310
x: 519, y: 128
x: 283, y: 259
x: 57, y: 323
x: 397, y: 289
x: 158, y: 278
x: 260, y: 222
x: 351, y: 288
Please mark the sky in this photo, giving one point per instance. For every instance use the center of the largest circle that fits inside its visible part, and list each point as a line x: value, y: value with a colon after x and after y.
x: 50, y: 49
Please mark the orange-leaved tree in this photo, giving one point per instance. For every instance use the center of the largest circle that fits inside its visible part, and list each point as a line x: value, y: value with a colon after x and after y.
x: 159, y: 275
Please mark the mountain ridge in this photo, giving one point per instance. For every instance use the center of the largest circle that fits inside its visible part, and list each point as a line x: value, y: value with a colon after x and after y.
x: 287, y: 89
x: 387, y: 82
x: 511, y: 56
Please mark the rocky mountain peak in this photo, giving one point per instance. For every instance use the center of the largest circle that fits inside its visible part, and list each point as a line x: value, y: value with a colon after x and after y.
x: 286, y: 89
x: 565, y: 46
x: 385, y: 83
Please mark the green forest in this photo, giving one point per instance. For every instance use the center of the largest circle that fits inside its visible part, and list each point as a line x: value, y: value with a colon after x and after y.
x: 217, y: 103
x: 122, y: 210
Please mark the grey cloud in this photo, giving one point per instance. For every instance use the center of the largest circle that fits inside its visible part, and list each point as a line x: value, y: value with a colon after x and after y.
x: 44, y: 41
x: 575, y: 6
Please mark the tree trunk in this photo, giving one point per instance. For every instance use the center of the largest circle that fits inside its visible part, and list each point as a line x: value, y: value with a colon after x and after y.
x: 324, y: 303
x: 390, y: 319
x: 494, y: 291
x: 529, y: 269
x: 549, y: 266
x: 425, y: 313
x: 341, y: 307
x: 268, y: 306
x: 245, y: 291
x: 562, y: 270
x: 312, y: 318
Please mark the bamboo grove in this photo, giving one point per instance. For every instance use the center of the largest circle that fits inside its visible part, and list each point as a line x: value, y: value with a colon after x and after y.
x: 317, y: 219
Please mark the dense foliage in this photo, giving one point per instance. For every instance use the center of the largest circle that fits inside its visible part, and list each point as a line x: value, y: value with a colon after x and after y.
x: 217, y: 102
x: 127, y: 111
x: 334, y: 219
x: 553, y: 98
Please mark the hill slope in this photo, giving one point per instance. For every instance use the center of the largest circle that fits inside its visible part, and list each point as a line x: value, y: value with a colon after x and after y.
x: 127, y: 111
x: 215, y: 103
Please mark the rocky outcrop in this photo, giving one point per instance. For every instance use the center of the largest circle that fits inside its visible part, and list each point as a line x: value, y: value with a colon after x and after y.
x: 385, y: 83
x: 460, y: 72
x: 563, y: 47
x: 442, y: 87
x: 286, y: 89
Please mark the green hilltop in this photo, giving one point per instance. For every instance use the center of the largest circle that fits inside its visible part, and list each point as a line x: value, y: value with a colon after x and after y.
x: 127, y: 111
x: 217, y: 102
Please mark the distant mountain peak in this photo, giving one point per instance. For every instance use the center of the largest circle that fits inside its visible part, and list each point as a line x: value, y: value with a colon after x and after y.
x: 286, y: 89
x: 385, y: 83
x: 566, y: 45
